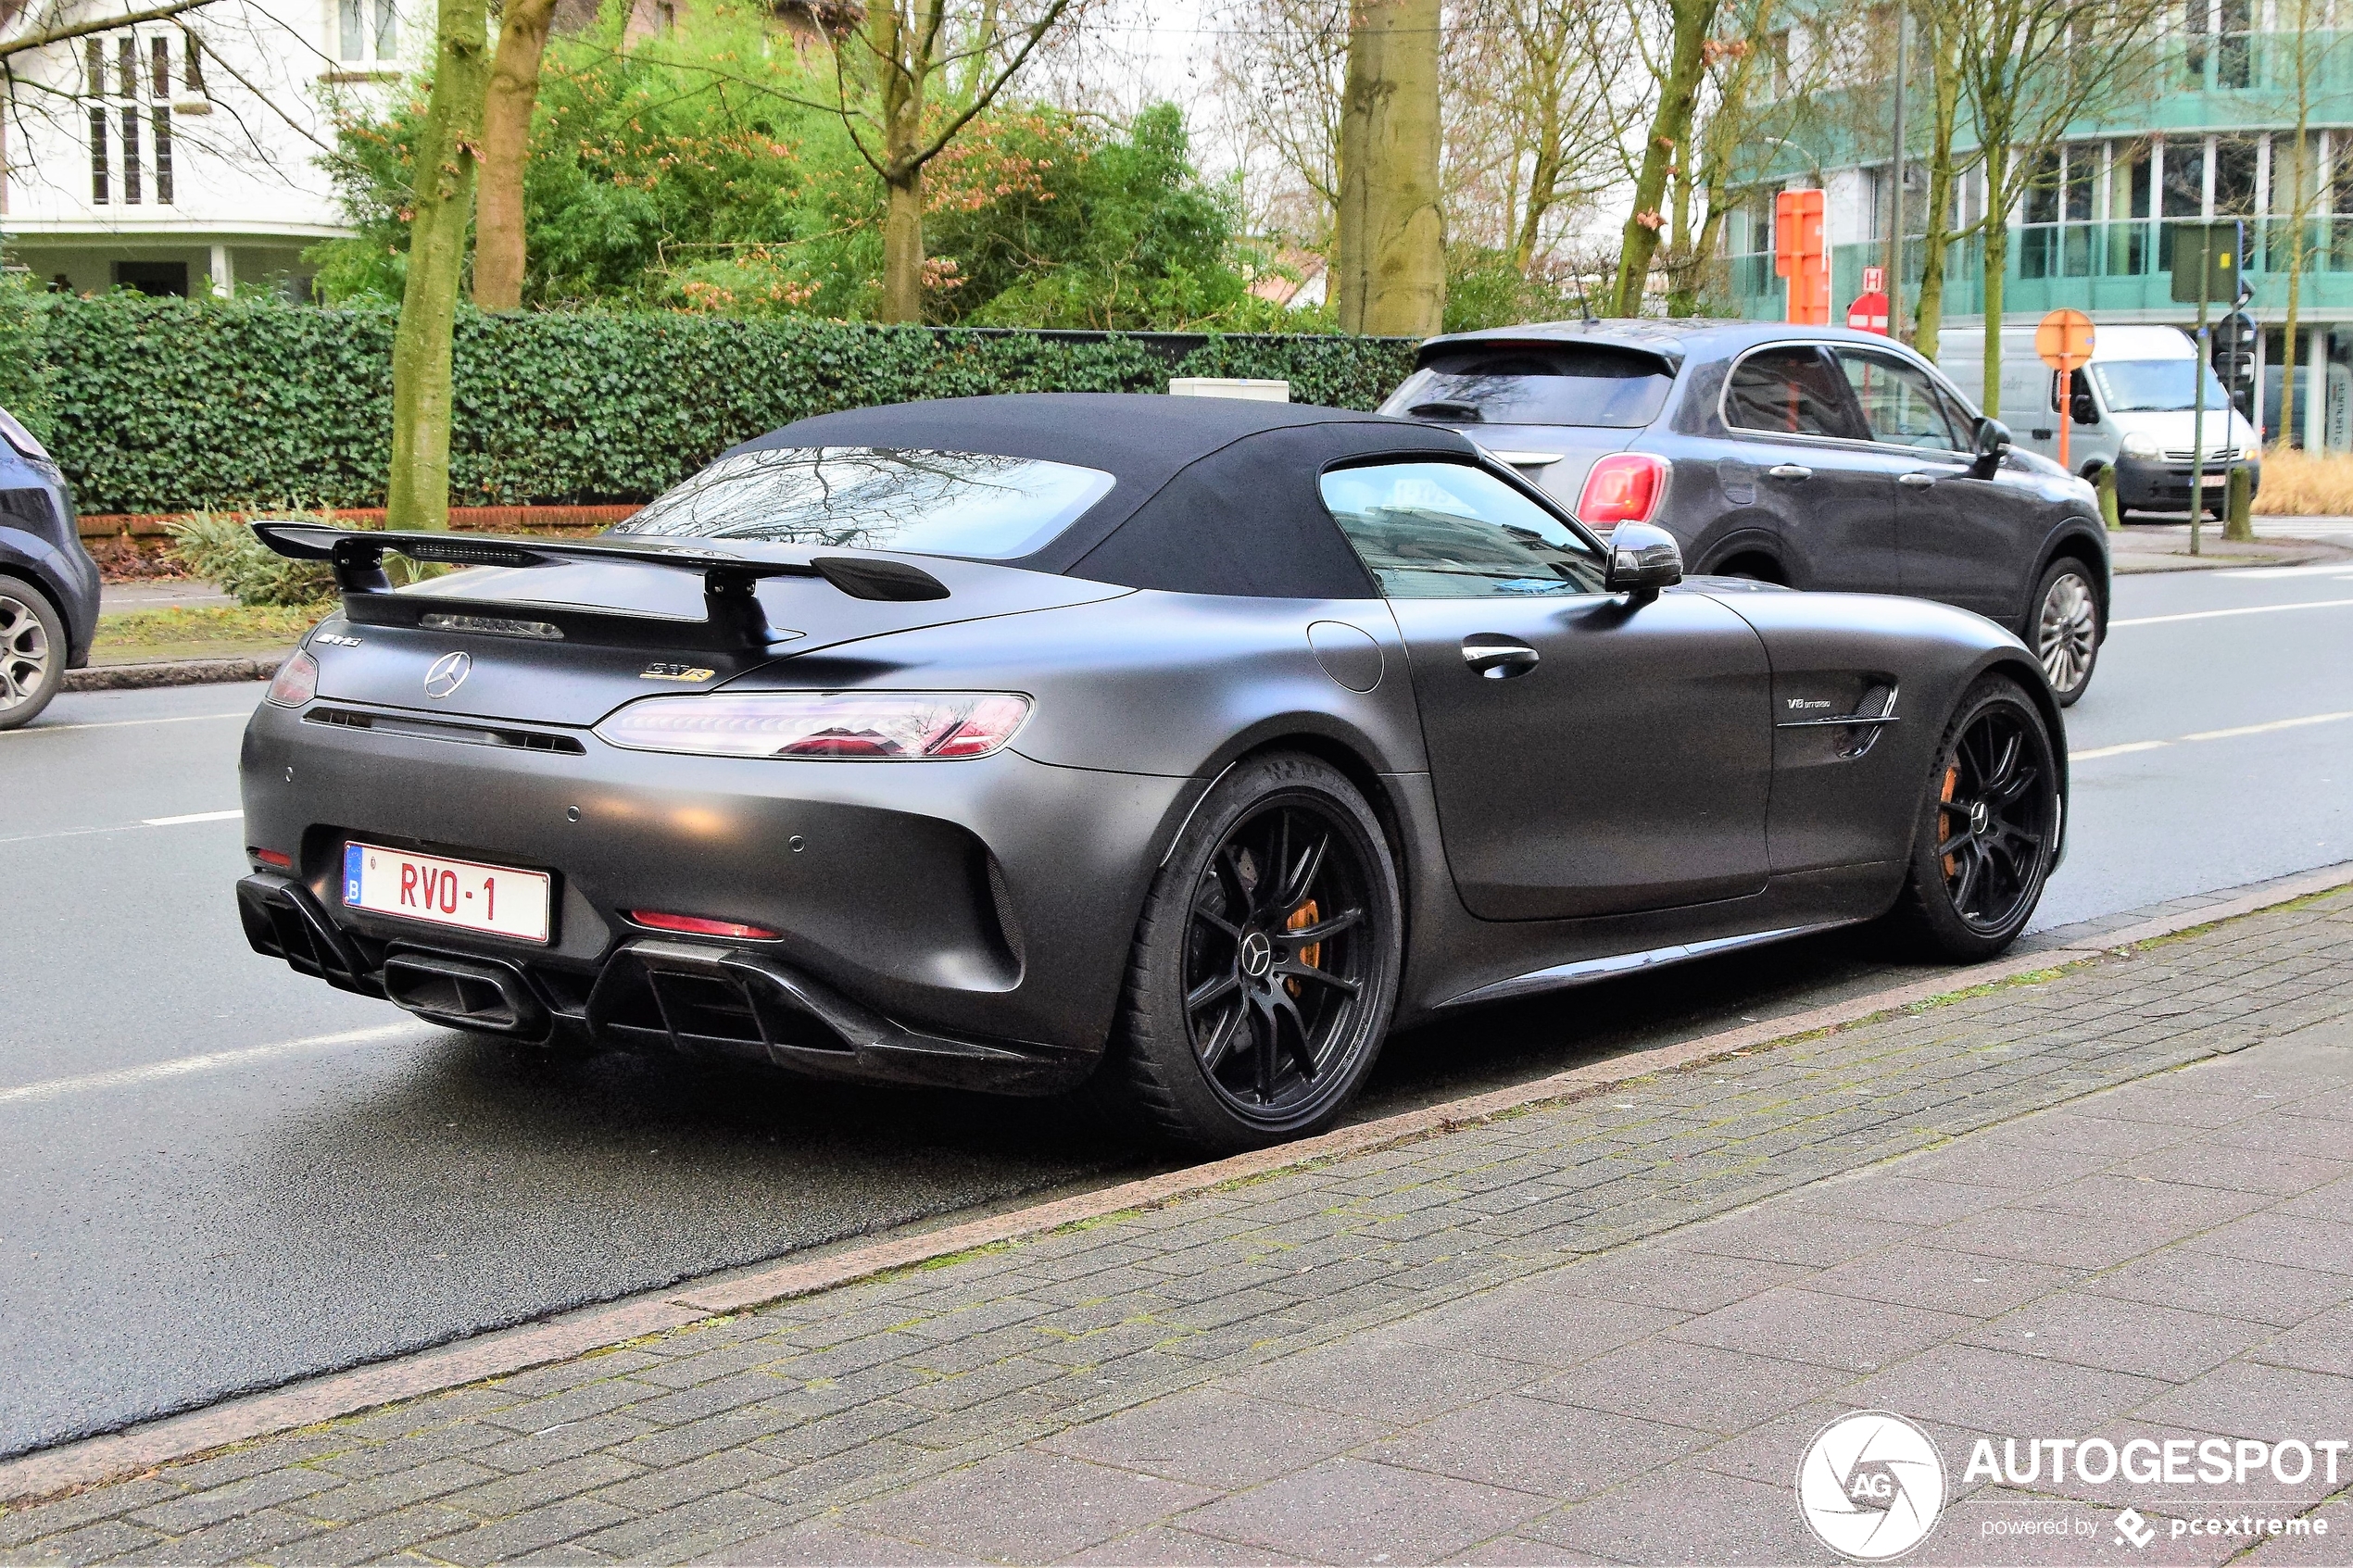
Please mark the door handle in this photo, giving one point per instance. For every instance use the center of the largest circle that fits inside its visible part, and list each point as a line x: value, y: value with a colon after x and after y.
x: 1790, y: 470
x: 1499, y: 660
x: 1919, y: 478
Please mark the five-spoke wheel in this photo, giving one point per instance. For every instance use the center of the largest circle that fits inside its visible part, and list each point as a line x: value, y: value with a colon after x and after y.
x: 32, y: 654
x: 2065, y: 630
x: 1267, y: 962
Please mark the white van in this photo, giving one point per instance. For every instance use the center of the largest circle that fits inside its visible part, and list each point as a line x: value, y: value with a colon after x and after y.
x: 2131, y: 408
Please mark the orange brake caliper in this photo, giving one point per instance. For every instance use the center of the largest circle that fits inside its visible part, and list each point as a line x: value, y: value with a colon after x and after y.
x: 1302, y: 917
x: 1952, y: 782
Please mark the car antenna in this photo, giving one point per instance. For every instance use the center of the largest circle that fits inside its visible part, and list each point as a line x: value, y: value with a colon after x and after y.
x: 1584, y: 312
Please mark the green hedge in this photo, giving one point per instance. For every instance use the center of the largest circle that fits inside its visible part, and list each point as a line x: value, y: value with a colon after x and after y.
x: 173, y: 406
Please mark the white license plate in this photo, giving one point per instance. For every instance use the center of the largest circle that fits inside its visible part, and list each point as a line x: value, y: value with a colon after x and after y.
x: 495, y: 900
x: 2215, y: 480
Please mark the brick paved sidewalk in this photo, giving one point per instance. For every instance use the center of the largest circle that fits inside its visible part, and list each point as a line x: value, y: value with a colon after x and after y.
x: 1466, y: 1346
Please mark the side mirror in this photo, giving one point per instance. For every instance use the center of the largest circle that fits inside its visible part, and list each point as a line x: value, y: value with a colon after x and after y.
x: 2082, y: 410
x: 1993, y: 445
x: 1643, y: 559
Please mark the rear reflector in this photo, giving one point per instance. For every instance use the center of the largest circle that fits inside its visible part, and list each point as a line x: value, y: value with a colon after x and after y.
x: 277, y: 858
x: 694, y: 926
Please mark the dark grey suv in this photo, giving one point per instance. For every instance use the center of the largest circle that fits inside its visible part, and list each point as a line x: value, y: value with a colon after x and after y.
x: 1811, y: 456
x: 48, y: 583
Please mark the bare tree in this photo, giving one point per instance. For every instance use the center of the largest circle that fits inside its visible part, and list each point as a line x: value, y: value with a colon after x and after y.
x: 507, y: 102
x: 1391, y: 245
x: 1680, y: 72
x: 1280, y: 68
x: 449, y: 147
x: 909, y: 81
x: 1533, y: 126
x: 2028, y: 71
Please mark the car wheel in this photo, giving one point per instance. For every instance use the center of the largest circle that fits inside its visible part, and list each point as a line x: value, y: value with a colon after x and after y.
x: 1265, y: 965
x: 32, y: 653
x: 2064, y: 628
x: 1988, y: 825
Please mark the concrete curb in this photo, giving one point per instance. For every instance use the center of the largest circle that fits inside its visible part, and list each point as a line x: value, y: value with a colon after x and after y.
x: 171, y: 672
x: 94, y: 1460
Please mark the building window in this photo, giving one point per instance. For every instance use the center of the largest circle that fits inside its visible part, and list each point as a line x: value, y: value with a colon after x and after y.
x: 369, y: 29
x: 99, y: 192
x: 94, y: 68
x: 130, y: 156
x: 2234, y: 161
x: 159, y: 67
x: 127, y: 68
x: 192, y: 67
x: 161, y: 120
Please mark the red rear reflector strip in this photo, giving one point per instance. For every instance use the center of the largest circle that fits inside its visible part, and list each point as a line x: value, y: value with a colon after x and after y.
x: 694, y: 926
x: 277, y: 858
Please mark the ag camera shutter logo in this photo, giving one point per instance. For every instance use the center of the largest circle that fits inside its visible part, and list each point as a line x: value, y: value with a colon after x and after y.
x: 1871, y: 1485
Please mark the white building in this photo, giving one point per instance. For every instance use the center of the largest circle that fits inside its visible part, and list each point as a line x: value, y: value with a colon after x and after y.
x: 173, y: 158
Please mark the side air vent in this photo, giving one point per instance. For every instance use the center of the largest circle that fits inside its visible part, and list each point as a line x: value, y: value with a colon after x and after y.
x: 462, y: 734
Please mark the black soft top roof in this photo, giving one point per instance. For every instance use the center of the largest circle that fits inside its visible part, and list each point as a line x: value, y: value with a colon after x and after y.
x: 1214, y: 494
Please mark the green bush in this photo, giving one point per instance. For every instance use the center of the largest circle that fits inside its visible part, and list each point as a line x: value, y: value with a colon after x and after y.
x: 186, y: 406
x: 224, y: 550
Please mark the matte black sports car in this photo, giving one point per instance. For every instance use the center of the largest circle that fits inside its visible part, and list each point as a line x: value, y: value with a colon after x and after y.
x: 1185, y: 746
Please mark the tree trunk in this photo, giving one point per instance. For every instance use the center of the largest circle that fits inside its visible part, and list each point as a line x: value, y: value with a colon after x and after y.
x: 1663, y: 151
x: 904, y: 248
x: 1936, y: 223
x: 1996, y: 229
x: 505, y: 152
x: 446, y: 150
x: 1391, y: 241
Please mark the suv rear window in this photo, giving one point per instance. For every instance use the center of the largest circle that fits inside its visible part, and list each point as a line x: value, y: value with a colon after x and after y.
x: 1536, y: 384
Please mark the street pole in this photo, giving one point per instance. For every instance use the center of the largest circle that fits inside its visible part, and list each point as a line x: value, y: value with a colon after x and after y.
x: 2197, y: 405
x: 1895, y: 189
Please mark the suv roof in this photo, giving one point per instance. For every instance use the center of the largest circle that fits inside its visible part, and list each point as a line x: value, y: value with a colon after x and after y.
x: 1673, y: 339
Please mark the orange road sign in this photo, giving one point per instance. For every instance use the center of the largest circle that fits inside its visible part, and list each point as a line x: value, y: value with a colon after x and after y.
x: 2064, y: 340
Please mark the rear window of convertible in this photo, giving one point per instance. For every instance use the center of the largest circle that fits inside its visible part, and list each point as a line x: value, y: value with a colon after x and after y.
x: 879, y: 499
x: 1539, y: 384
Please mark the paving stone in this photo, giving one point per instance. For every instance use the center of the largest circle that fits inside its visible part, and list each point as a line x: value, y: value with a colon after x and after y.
x: 2103, y: 1331
x: 1367, y: 1376
x: 1529, y: 1445
x: 2252, y: 1400
x: 1997, y: 1391
x: 541, y: 1527
x: 379, y: 1536
x: 1027, y: 1505
x: 1832, y: 1331
x: 1257, y: 1439
x: 1351, y: 1510
x: 2200, y: 1281
x: 1911, y: 1274
x: 1694, y: 1386
x: 1683, y: 1513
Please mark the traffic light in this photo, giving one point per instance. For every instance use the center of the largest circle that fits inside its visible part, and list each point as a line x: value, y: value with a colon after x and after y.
x: 2234, y: 350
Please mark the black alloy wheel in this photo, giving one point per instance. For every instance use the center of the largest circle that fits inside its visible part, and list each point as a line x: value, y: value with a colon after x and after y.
x: 1988, y: 829
x: 1267, y: 962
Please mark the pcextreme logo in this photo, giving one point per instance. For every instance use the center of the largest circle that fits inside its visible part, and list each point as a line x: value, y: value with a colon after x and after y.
x: 1871, y: 1485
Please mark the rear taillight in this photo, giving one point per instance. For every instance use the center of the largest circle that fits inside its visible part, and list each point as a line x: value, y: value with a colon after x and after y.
x: 696, y: 925
x: 836, y: 726
x: 1622, y: 487
x: 296, y: 681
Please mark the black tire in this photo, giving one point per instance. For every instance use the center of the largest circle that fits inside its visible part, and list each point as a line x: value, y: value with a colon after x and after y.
x: 1232, y: 1035
x: 2063, y: 624
x: 1977, y: 874
x: 32, y: 652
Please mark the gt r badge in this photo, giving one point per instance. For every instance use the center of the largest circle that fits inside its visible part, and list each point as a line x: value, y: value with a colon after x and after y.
x: 338, y: 639
x: 448, y: 673
x: 688, y: 672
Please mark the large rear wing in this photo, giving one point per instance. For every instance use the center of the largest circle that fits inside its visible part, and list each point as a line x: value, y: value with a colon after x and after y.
x: 733, y: 620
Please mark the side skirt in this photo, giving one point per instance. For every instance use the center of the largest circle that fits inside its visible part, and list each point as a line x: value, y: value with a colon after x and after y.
x: 1586, y: 970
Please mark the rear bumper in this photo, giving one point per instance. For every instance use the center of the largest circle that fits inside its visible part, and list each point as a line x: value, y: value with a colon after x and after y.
x: 964, y: 923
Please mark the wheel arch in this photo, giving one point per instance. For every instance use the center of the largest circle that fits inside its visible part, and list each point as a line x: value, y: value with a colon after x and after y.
x: 2020, y: 666
x: 2077, y: 539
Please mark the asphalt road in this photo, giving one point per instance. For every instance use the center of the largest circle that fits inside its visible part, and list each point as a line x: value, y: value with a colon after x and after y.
x: 216, y: 1176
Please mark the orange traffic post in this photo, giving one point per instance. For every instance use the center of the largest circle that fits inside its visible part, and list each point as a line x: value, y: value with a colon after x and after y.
x: 2063, y: 338
x: 1800, y: 255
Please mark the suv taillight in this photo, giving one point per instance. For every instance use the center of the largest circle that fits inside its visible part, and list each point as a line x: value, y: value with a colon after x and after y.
x: 1622, y: 487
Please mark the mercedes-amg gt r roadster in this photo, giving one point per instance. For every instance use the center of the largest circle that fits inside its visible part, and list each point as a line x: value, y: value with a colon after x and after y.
x: 1181, y: 747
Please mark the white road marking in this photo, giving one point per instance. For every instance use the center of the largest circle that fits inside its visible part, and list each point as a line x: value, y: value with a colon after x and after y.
x: 2261, y: 573
x: 191, y: 817
x: 2098, y: 751
x: 181, y: 1067
x: 2232, y: 734
x: 123, y: 723
x: 2242, y: 609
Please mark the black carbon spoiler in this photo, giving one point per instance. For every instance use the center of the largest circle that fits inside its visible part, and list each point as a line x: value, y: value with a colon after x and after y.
x: 733, y: 619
